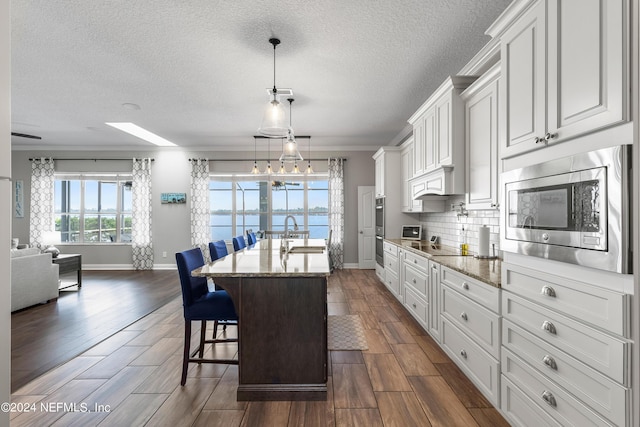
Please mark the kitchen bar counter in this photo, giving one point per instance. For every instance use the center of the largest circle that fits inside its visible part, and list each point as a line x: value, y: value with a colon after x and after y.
x: 307, y: 258
x: 281, y: 301
x: 485, y: 270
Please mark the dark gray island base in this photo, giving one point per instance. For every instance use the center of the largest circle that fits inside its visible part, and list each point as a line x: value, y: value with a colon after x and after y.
x: 282, y: 326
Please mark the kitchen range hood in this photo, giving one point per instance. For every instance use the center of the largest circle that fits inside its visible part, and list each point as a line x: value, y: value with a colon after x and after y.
x: 435, y: 185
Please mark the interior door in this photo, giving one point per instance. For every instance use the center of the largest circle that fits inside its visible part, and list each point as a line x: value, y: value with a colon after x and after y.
x: 366, y: 227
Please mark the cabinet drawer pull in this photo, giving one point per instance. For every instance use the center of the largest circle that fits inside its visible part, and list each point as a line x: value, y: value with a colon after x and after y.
x: 549, y: 327
x: 547, y: 396
x: 463, y: 315
x: 548, y: 291
x: 463, y: 353
x: 465, y: 286
x: 414, y: 305
x: 415, y: 261
x: 550, y: 362
x: 414, y: 281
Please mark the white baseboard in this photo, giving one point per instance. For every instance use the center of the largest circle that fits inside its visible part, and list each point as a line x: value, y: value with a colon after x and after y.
x: 125, y: 267
x: 350, y: 266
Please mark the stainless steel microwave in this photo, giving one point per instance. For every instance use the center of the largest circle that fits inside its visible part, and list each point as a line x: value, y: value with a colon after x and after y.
x: 411, y: 232
x: 574, y: 209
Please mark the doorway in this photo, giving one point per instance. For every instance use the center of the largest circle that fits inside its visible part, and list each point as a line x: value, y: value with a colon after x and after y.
x: 366, y: 227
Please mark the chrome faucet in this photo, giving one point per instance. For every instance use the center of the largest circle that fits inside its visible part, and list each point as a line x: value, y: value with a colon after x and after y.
x: 287, y: 232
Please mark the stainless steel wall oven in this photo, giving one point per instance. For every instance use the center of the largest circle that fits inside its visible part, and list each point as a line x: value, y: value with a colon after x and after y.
x: 573, y: 209
x: 380, y: 230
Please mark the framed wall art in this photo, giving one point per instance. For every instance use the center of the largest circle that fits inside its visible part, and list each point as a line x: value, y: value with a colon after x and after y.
x: 173, y: 198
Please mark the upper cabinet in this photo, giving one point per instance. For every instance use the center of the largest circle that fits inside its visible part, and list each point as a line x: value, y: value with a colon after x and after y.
x: 438, y: 131
x: 481, y: 139
x: 564, y: 71
x: 408, y: 185
x: 387, y: 172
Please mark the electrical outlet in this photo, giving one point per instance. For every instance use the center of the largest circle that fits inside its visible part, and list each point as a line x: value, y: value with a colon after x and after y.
x: 453, y: 207
x: 164, y: 254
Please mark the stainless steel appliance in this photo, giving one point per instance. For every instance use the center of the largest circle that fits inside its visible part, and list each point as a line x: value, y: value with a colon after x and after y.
x: 411, y: 232
x: 574, y: 209
x: 380, y: 231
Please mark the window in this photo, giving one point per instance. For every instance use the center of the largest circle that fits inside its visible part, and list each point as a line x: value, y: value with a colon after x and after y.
x: 238, y: 206
x: 93, y: 209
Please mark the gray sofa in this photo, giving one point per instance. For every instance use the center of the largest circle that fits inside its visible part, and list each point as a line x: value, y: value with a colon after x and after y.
x: 34, y: 278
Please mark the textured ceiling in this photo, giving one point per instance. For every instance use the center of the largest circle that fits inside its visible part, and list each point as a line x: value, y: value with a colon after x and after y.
x: 199, y: 69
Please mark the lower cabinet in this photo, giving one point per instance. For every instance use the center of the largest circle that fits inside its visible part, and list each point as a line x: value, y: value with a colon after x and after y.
x: 546, y: 350
x: 481, y: 368
x: 471, y: 330
x: 392, y: 270
x: 571, y: 366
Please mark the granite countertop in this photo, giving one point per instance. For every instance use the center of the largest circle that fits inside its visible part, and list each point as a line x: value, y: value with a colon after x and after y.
x: 485, y: 270
x: 265, y: 259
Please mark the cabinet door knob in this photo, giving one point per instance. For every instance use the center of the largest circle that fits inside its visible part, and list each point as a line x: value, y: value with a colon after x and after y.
x: 549, y: 136
x: 547, y: 396
x: 463, y: 353
x: 414, y: 305
x: 550, y: 362
x: 463, y: 315
x: 414, y: 281
x: 415, y: 261
x: 465, y: 286
x: 361, y: 232
x: 548, y: 291
x: 549, y: 327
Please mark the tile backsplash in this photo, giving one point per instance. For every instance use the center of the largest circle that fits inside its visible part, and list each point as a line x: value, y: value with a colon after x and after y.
x: 449, y: 227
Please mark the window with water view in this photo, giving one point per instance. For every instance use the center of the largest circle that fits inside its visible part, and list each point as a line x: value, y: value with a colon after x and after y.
x: 238, y: 206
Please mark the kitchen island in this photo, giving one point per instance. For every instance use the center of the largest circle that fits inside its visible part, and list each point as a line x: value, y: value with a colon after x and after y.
x: 281, y: 301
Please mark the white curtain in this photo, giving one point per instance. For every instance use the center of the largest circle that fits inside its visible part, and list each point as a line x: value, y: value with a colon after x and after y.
x: 336, y: 211
x: 41, y: 218
x: 141, y: 241
x: 200, y: 205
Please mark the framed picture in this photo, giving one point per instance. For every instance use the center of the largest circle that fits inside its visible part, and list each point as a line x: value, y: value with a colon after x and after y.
x: 173, y: 198
x: 18, y: 199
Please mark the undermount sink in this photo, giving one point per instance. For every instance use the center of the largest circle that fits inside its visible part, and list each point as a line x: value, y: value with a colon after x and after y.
x: 306, y: 249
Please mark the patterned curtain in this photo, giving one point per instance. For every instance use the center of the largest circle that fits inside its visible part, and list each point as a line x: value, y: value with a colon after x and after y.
x: 42, y: 182
x: 336, y: 211
x: 141, y: 242
x: 200, y: 205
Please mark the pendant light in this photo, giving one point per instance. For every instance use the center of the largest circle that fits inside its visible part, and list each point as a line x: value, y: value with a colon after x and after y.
x: 290, y: 151
x: 282, y: 169
x: 309, y: 168
x: 274, y: 122
x: 255, y: 169
x: 268, y: 169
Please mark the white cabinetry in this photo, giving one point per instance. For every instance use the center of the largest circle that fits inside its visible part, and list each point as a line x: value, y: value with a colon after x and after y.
x: 439, y: 136
x: 388, y: 185
x: 565, y: 71
x: 406, y: 166
x: 410, y: 186
x: 387, y: 160
x: 471, y: 329
x: 565, y: 348
x: 481, y: 140
x: 416, y: 284
x: 392, y: 269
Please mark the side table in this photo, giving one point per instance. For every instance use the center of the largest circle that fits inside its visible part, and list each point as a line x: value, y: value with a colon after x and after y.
x: 68, y: 263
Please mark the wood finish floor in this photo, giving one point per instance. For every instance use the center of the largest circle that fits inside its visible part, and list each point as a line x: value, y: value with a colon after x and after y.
x: 47, y: 335
x: 133, y: 377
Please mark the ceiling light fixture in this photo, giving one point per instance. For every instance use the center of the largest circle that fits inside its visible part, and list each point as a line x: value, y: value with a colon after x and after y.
x: 309, y: 168
x: 141, y: 133
x: 274, y: 120
x: 290, y: 151
x: 268, y: 169
x: 255, y: 169
x: 282, y: 169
